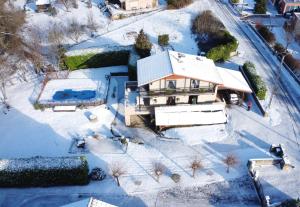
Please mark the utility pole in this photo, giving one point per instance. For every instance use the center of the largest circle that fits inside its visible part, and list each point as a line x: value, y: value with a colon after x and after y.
x: 276, y: 81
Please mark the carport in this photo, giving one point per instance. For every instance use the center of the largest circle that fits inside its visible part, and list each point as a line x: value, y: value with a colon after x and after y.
x: 233, y: 80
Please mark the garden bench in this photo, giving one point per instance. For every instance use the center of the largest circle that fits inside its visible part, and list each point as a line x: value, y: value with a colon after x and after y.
x: 64, y: 108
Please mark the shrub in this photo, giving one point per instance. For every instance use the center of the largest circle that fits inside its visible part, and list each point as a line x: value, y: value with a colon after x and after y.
x: 234, y: 1
x: 52, y: 11
x: 223, y: 51
x: 44, y: 171
x: 256, y: 81
x: 217, y: 42
x: 177, y: 4
x: 292, y: 62
x: 266, y: 33
x: 206, y: 23
x: 279, y: 48
x: 38, y: 106
x: 260, y: 7
x: 163, y: 40
x: 105, y: 59
x: 290, y: 203
x: 143, y: 45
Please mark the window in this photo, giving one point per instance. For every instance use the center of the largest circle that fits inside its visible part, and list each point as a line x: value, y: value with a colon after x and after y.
x: 195, y: 83
x: 171, y: 84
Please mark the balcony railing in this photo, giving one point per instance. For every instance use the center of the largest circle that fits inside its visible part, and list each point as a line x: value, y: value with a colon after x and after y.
x: 177, y: 91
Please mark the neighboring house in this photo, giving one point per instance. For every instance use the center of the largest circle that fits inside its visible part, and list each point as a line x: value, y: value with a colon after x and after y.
x: 296, y: 22
x: 43, y: 5
x: 286, y: 5
x: 89, y: 202
x: 180, y: 89
x: 138, y: 4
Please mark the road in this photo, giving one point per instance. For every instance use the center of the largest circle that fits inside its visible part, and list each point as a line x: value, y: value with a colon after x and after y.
x: 266, y: 63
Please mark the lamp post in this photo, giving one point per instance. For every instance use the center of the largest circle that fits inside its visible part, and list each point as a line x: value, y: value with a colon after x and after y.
x: 276, y: 80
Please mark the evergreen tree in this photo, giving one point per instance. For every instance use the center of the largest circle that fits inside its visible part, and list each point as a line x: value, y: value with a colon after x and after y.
x: 143, y: 45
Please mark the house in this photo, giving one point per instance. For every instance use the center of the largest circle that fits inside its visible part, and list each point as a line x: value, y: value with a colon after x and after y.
x: 284, y: 6
x: 43, y: 5
x: 89, y: 202
x: 138, y: 4
x: 180, y: 89
x: 296, y: 22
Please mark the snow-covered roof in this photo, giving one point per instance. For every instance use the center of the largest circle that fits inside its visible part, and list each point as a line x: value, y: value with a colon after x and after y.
x: 184, y: 115
x: 170, y: 63
x: 90, y: 202
x: 234, y: 80
x: 153, y: 68
x: 42, y: 2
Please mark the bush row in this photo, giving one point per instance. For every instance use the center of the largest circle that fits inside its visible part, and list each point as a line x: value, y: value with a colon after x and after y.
x: 177, y: 4
x: 43, y: 172
x: 260, y: 7
x: 223, y: 51
x: 256, y: 81
x: 266, y: 33
x: 105, y: 59
x: 292, y: 62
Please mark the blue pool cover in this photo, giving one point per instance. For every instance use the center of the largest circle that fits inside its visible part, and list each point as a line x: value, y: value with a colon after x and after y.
x: 69, y: 94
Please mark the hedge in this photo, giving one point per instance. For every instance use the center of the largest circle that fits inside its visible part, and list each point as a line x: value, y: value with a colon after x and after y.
x: 177, y: 4
x: 256, y: 81
x: 91, y: 60
x: 43, y: 171
x: 222, y: 52
x: 266, y: 33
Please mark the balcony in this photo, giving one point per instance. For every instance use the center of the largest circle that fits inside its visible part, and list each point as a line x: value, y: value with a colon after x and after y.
x: 177, y: 91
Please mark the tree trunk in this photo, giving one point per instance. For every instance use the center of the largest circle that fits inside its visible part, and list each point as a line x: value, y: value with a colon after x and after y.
x: 227, y: 169
x: 194, y: 173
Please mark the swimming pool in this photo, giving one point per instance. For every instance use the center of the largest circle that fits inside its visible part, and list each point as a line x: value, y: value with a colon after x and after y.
x: 69, y: 94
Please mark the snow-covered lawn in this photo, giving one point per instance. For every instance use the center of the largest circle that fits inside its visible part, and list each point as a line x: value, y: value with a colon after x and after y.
x: 27, y: 132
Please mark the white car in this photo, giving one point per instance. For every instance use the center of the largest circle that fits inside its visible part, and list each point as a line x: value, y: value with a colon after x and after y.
x: 234, y: 99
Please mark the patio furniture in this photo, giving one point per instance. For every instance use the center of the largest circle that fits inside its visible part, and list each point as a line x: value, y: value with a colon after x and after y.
x: 93, y: 118
x: 80, y: 143
x: 64, y: 108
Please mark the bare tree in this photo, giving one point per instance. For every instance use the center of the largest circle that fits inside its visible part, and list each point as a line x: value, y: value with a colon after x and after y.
x: 67, y: 4
x: 75, y: 30
x: 230, y: 161
x: 117, y: 170
x: 207, y: 23
x: 91, y: 23
x: 158, y: 169
x: 195, y: 165
x: 56, y: 34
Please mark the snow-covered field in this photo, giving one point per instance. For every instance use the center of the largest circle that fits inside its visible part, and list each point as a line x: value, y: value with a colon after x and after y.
x: 26, y: 132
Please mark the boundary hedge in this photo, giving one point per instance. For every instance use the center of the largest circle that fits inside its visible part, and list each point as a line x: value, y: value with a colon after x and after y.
x: 256, y: 81
x: 106, y: 59
x: 43, y: 171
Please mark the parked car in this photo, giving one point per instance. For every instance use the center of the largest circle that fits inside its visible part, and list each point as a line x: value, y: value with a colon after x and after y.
x: 233, y: 98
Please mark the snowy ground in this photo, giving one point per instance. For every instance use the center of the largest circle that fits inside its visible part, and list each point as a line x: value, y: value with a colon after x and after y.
x: 249, y: 135
x: 286, y: 187
x: 294, y: 47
